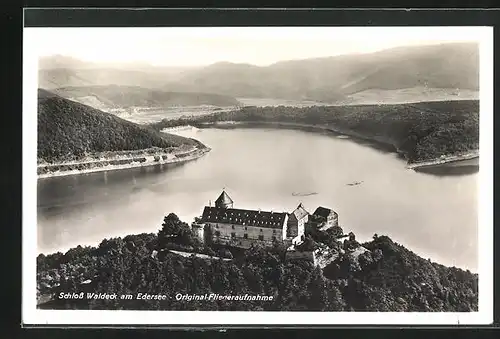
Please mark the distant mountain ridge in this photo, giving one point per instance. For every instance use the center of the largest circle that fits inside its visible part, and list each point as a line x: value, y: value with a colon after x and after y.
x: 61, y: 61
x: 447, y: 66
x: 68, y: 130
x: 63, y: 71
x: 64, y: 77
x: 454, y: 65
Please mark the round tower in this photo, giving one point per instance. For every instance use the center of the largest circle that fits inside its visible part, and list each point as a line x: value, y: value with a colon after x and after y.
x: 224, y: 201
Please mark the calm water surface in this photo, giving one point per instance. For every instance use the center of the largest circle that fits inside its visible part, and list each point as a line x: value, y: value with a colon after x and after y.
x: 434, y: 216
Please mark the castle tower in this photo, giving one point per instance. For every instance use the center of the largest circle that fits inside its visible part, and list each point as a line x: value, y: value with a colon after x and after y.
x: 224, y: 201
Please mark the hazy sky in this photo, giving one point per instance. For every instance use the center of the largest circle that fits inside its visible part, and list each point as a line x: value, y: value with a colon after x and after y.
x: 171, y: 46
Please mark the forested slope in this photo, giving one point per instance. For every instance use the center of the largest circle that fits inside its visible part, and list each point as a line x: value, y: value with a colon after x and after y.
x: 388, y: 277
x: 68, y: 130
x: 419, y: 131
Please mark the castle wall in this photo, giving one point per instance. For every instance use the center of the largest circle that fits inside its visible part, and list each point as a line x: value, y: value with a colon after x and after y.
x: 239, y: 242
x: 244, y: 236
x: 292, y: 226
x: 297, y: 255
x: 293, y: 241
x: 296, y: 227
x: 332, y: 220
x: 199, y: 231
x: 301, y: 226
x: 320, y: 257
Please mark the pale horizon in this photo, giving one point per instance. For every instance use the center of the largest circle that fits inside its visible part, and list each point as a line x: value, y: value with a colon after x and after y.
x: 259, y: 46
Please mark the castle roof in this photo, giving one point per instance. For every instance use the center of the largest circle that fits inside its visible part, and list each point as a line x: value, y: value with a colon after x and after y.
x: 323, y: 212
x: 244, y: 217
x: 223, y: 199
x: 300, y: 212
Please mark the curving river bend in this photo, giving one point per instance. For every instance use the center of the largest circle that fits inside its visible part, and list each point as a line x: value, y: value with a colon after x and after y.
x: 433, y: 215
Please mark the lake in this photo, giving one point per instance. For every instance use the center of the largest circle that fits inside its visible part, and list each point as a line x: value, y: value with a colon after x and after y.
x: 435, y: 216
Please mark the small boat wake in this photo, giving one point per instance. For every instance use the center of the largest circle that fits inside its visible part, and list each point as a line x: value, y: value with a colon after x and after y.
x: 301, y: 194
x: 355, y: 183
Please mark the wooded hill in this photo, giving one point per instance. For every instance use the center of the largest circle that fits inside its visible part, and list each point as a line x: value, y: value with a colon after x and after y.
x: 387, y: 278
x: 419, y: 131
x: 68, y: 130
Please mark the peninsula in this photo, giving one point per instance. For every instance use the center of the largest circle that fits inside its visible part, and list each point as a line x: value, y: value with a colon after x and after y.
x: 75, y: 138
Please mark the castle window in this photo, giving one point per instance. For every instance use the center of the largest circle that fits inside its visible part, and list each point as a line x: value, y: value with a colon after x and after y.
x: 261, y: 229
x: 233, y: 235
x: 232, y: 226
x: 217, y: 233
x: 274, y: 238
x: 261, y: 237
x: 245, y: 236
x: 274, y: 231
x: 245, y: 227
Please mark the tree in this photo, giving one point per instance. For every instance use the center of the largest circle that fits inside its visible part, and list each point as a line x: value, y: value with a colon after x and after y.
x: 335, y: 231
x: 225, y: 253
x: 318, y: 297
x: 174, y: 231
x: 396, y: 280
x: 278, y: 248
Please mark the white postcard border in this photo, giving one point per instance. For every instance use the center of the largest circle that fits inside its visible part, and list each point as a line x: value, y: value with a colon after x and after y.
x: 33, y: 316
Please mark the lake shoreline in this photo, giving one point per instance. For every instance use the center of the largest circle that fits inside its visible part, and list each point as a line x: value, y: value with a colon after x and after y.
x: 446, y: 160
x: 375, y: 142
x: 121, y: 162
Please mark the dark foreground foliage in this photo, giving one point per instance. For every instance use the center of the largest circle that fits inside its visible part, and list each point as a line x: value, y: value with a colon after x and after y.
x: 387, y: 277
x: 68, y: 130
x: 419, y: 131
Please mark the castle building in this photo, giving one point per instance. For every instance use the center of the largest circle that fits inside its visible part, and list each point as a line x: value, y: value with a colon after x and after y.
x: 227, y: 225
x: 325, y: 218
x: 296, y: 222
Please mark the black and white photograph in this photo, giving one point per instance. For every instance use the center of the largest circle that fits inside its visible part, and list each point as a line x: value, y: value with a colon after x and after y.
x: 307, y: 175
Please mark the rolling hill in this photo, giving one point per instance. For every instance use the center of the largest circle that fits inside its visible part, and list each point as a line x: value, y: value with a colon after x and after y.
x: 68, y: 130
x: 100, y: 76
x: 124, y: 97
x: 450, y: 66
x: 420, y: 132
x: 62, y: 71
x: 436, y: 71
